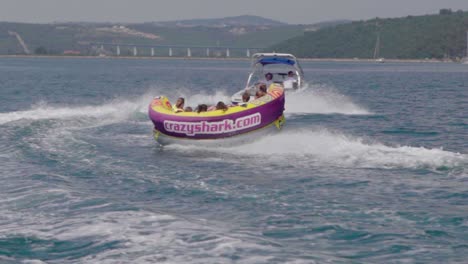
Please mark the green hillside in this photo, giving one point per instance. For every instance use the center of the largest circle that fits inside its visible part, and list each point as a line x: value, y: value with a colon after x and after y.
x: 413, y: 37
x: 244, y: 20
x: 240, y: 32
x: 251, y: 37
x: 54, y: 38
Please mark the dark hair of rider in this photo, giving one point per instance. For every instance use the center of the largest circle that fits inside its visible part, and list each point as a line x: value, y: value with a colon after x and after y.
x: 180, y: 102
x: 245, y: 97
x: 202, y: 108
x: 221, y: 106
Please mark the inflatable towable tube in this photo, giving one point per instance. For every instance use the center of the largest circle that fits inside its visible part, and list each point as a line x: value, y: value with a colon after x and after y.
x: 256, y: 115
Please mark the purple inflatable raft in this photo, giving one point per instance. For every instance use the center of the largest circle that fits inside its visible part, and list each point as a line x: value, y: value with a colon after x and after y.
x: 241, y: 122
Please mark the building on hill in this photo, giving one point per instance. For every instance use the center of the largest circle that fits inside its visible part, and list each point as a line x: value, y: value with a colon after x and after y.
x: 71, y: 52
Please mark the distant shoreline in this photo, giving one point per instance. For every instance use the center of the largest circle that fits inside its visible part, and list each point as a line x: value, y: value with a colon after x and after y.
x: 223, y: 58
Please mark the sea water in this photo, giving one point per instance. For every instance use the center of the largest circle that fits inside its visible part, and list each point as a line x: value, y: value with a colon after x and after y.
x: 371, y: 166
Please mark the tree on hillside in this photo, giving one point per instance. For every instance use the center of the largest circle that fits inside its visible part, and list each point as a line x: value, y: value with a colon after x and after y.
x: 412, y: 37
x: 445, y: 11
x: 40, y: 50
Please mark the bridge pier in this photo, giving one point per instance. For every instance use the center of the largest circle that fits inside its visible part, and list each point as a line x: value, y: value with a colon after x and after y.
x: 115, y: 49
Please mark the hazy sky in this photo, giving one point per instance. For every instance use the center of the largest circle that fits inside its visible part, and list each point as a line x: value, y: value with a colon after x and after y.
x: 290, y: 11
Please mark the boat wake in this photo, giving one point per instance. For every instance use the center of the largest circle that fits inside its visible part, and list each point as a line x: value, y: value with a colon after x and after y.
x: 325, y: 148
x: 116, y: 110
x: 299, y: 147
x: 319, y: 99
x: 312, y: 100
x: 129, y: 236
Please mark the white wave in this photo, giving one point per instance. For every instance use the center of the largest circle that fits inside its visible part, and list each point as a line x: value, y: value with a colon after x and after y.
x: 144, y: 237
x: 317, y: 99
x: 325, y: 148
x: 314, y: 100
x: 116, y: 110
x: 210, y: 99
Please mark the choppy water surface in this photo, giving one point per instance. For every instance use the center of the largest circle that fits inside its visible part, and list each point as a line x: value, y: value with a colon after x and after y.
x: 370, y: 168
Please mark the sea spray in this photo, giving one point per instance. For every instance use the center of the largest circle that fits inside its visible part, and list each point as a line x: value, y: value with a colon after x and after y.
x: 320, y: 147
x: 321, y: 99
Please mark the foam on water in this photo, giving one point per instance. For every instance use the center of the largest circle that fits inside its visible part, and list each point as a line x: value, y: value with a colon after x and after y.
x: 117, y: 110
x: 316, y: 99
x: 312, y: 99
x: 322, y: 147
x: 44, y: 111
x: 142, y: 237
x: 320, y: 99
x: 195, y: 99
x: 113, y: 111
x: 316, y: 146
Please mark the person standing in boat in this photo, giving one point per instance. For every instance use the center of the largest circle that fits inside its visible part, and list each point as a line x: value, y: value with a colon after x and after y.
x: 179, y: 105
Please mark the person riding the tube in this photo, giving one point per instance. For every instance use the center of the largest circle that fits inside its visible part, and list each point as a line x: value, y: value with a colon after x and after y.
x: 179, y: 105
x: 202, y: 108
x: 263, y: 88
x: 259, y: 93
x: 219, y: 106
x: 245, y: 97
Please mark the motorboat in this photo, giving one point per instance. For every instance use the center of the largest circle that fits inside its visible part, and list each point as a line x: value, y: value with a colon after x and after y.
x: 241, y: 122
x: 284, y: 68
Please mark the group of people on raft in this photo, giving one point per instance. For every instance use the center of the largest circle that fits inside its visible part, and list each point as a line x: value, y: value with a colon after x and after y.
x: 259, y: 90
x: 179, y: 106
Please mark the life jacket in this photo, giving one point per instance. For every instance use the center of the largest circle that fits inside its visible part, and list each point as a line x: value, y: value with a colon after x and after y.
x: 176, y: 109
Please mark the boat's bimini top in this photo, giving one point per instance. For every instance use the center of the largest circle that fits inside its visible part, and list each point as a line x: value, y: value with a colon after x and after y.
x: 278, y: 64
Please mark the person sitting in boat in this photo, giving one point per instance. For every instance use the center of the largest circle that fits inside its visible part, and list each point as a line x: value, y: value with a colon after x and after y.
x: 188, y: 109
x: 179, y: 105
x: 291, y: 77
x: 202, y: 108
x: 268, y: 79
x: 290, y: 82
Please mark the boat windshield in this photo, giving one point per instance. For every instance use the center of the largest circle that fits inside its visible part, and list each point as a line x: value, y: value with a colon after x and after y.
x: 279, y: 71
x: 279, y: 65
x: 276, y: 60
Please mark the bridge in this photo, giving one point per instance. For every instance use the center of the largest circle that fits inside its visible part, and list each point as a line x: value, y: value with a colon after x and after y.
x: 115, y: 49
